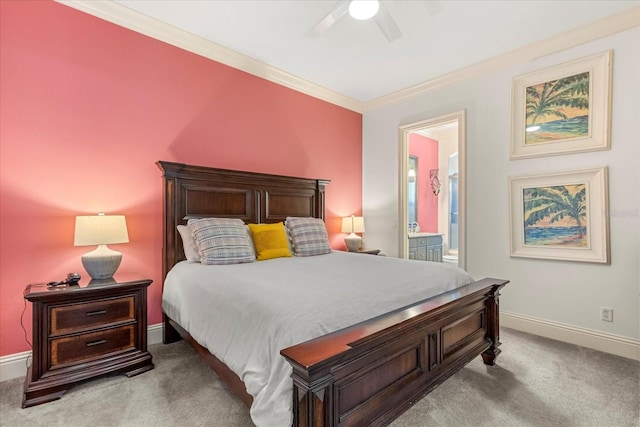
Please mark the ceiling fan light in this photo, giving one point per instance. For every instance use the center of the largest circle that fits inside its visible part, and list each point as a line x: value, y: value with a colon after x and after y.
x: 363, y: 9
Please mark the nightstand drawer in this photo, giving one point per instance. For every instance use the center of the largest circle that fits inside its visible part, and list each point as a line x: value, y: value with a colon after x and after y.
x: 81, y: 317
x: 93, y: 345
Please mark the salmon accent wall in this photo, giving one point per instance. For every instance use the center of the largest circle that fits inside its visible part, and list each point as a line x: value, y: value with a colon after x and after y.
x: 87, y: 108
x: 426, y: 150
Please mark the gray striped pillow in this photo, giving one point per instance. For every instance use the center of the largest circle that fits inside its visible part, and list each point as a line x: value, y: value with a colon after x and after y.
x: 222, y: 240
x: 308, y: 235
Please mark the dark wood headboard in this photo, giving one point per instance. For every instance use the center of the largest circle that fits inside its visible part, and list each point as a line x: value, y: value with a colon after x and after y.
x: 200, y: 192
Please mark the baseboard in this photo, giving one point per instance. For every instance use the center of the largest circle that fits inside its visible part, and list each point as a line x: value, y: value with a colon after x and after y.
x: 154, y: 334
x: 15, y: 365
x: 608, y: 343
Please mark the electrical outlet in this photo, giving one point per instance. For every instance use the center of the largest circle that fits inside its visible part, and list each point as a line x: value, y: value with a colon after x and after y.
x: 606, y: 314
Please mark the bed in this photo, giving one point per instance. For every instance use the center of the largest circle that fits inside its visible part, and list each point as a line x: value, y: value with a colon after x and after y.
x: 365, y: 373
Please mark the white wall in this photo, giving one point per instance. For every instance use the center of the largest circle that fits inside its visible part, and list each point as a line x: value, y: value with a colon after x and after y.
x: 565, y: 293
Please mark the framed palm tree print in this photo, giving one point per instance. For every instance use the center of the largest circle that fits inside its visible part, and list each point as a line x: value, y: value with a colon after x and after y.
x: 564, y: 109
x: 560, y: 216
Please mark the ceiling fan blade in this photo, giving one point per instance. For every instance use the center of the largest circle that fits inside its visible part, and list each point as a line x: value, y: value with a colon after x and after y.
x: 387, y: 24
x: 338, y: 11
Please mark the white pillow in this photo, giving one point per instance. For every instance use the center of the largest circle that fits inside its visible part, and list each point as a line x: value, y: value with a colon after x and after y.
x: 222, y: 240
x: 188, y: 244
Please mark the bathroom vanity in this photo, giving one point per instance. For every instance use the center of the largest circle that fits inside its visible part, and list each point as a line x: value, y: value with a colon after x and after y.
x: 425, y: 246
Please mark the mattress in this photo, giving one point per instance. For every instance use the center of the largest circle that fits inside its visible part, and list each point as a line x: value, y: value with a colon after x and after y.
x: 244, y: 314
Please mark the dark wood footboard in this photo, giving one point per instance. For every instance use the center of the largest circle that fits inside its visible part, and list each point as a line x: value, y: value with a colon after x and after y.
x: 370, y: 373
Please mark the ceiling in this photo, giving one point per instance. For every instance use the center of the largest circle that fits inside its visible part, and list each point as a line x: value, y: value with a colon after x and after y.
x: 353, y: 58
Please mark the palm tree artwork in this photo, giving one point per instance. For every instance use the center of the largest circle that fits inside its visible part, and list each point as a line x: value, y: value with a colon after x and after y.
x: 556, y: 216
x: 558, y: 109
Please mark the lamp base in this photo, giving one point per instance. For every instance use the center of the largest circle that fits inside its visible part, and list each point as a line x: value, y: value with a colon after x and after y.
x: 101, y: 263
x: 353, y: 242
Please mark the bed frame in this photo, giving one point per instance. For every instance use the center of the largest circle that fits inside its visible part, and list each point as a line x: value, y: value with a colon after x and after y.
x: 366, y: 374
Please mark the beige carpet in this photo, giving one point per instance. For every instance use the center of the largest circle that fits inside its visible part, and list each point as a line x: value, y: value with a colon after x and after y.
x: 536, y: 382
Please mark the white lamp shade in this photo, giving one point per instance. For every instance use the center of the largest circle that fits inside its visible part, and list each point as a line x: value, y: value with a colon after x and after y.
x: 353, y: 224
x: 100, y: 230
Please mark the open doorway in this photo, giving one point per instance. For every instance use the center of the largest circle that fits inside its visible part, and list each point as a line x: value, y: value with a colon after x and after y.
x: 432, y: 190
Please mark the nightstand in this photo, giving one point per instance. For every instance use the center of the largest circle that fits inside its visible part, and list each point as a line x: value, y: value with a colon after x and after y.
x: 368, y: 251
x: 81, y: 332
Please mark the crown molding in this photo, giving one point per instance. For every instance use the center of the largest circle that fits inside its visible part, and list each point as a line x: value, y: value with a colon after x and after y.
x: 604, y: 27
x: 144, y: 24
x: 133, y: 20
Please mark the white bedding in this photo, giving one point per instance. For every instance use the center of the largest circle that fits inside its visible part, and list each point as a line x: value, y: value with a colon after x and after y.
x: 244, y: 314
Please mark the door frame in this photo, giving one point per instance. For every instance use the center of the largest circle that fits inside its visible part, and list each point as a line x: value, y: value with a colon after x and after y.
x: 403, y: 171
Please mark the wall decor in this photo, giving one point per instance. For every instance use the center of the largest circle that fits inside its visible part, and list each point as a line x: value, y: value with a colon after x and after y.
x: 560, y: 216
x: 435, y: 181
x: 563, y: 109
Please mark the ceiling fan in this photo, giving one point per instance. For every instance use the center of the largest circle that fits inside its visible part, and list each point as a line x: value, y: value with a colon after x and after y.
x: 368, y: 9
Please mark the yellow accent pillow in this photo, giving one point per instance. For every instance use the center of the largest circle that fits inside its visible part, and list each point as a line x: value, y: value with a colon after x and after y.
x: 270, y: 240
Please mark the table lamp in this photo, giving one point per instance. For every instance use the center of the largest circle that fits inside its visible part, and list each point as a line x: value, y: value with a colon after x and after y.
x: 353, y: 224
x: 101, y: 230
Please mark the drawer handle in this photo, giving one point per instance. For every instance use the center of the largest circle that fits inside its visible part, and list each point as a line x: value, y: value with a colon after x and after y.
x: 95, y: 313
x: 98, y: 342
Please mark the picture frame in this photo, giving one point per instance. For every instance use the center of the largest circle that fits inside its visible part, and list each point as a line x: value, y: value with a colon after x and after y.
x: 560, y: 216
x: 562, y: 109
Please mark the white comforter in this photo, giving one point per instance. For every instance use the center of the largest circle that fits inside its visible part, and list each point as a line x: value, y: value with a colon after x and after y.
x: 244, y: 314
